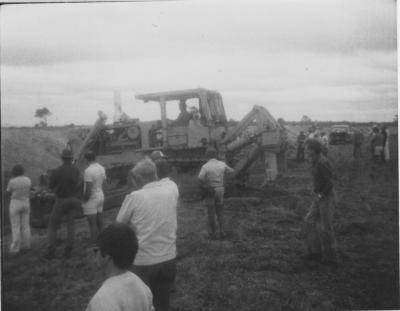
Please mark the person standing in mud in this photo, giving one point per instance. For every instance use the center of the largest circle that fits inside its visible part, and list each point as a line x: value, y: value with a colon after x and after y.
x: 211, y: 178
x: 320, y: 237
x: 151, y: 211
x: 357, y: 143
x: 19, y: 187
x: 377, y: 143
x: 300, y: 147
x: 386, y: 134
x: 65, y: 182
x: 325, y: 143
x: 93, y: 196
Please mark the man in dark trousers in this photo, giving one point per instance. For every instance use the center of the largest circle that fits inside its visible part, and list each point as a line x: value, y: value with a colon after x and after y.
x: 320, y: 238
x: 64, y: 182
x: 151, y: 211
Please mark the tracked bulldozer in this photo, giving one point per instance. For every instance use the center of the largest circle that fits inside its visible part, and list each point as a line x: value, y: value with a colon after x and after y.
x: 120, y: 145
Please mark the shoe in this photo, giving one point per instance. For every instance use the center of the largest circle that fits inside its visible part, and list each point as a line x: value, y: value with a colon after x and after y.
x: 312, y: 257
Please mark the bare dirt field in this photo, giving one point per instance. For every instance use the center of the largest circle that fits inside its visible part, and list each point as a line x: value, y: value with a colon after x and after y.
x: 258, y: 265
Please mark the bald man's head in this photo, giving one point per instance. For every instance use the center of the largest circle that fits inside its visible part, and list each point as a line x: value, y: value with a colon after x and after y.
x: 144, y: 172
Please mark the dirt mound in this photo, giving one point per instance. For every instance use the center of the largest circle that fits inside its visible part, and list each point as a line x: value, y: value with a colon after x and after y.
x: 36, y: 149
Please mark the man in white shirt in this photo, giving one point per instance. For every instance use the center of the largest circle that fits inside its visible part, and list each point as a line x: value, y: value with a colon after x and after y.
x: 122, y: 290
x: 93, y: 196
x: 211, y: 177
x: 151, y: 211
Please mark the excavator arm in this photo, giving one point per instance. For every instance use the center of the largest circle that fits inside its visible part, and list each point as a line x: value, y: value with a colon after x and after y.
x: 258, y: 132
x: 89, y: 139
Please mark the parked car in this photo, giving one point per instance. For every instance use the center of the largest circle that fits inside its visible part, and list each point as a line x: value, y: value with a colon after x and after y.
x: 340, y: 134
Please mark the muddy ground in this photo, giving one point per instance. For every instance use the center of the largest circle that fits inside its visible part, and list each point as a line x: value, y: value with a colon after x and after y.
x: 258, y: 265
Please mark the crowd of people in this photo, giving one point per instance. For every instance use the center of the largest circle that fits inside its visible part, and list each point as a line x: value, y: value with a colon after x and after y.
x: 378, y: 142
x: 138, y: 251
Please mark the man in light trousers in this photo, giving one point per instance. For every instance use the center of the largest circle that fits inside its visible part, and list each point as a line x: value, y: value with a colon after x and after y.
x: 19, y: 187
x: 211, y: 177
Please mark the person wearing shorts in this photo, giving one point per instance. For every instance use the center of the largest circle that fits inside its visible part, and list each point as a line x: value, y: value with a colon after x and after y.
x: 211, y: 178
x: 93, y: 197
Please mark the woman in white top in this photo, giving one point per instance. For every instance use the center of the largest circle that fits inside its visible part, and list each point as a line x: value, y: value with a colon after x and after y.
x: 19, y: 187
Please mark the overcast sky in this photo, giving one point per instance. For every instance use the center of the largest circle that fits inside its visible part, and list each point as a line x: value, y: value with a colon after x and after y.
x: 330, y: 60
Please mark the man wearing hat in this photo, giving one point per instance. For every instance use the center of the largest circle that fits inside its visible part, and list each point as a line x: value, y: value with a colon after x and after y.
x: 64, y: 182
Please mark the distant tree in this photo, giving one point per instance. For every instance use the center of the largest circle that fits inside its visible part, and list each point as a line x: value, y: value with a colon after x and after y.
x: 42, y: 113
x: 306, y: 119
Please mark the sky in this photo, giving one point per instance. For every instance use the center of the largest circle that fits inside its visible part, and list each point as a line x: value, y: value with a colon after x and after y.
x: 330, y: 60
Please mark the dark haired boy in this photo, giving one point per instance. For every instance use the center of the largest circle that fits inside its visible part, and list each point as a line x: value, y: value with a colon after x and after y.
x: 122, y: 290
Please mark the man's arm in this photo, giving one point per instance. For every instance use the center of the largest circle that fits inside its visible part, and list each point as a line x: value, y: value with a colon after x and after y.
x: 87, y: 191
x: 87, y: 187
x: 229, y: 169
x: 202, y: 174
x: 9, y: 190
x: 126, y: 211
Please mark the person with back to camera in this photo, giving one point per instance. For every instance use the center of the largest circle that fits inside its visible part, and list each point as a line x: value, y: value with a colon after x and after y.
x: 386, y: 138
x: 320, y: 237
x: 19, y: 187
x: 93, y: 196
x: 358, y: 139
x: 377, y: 142
x: 325, y: 143
x: 163, y: 168
x: 211, y: 178
x: 151, y: 211
x: 301, y: 138
x: 122, y: 290
x: 65, y: 182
